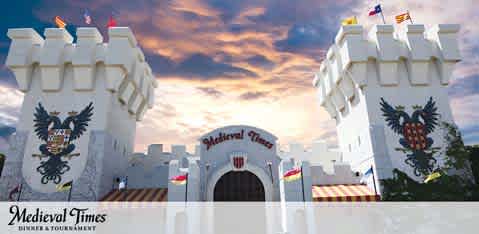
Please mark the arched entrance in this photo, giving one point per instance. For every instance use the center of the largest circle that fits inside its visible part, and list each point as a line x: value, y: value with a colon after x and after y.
x: 239, y: 186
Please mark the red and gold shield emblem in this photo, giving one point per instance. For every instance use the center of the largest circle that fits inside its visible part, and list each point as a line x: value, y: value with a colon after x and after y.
x: 238, y: 162
x: 58, y: 140
x: 415, y: 135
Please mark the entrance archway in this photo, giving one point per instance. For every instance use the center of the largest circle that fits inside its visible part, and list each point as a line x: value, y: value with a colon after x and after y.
x: 239, y: 186
x: 249, y: 167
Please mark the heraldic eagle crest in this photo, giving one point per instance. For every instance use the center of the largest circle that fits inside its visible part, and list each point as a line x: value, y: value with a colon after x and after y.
x: 414, y: 129
x: 58, y: 137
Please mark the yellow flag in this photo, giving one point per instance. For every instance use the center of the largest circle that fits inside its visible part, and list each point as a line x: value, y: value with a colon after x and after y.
x: 432, y: 176
x: 350, y: 21
x: 65, y: 186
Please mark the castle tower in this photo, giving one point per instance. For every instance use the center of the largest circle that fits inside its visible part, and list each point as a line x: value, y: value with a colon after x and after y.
x: 79, y: 111
x: 388, y: 94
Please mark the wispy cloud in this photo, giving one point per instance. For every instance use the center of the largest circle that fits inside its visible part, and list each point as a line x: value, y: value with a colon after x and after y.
x: 244, y: 62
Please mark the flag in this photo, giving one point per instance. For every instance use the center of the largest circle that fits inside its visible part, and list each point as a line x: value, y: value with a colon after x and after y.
x: 179, y: 180
x: 60, y: 22
x: 432, y: 177
x: 87, y: 17
x: 402, y: 17
x: 376, y: 10
x: 350, y: 21
x: 122, y: 184
x: 367, y: 174
x: 111, y: 22
x: 64, y: 187
x: 292, y: 175
x: 13, y: 192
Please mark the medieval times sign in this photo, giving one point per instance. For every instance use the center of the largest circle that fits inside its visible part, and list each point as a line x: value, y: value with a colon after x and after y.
x: 222, y: 137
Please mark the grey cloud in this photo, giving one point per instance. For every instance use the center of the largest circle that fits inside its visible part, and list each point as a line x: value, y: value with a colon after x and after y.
x: 248, y: 96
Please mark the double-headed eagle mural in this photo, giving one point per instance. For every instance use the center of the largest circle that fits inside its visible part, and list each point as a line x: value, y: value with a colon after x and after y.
x: 58, y: 137
x: 415, y: 129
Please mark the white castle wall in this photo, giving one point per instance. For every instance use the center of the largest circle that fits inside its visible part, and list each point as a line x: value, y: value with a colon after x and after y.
x: 66, y: 77
x: 341, y: 174
x: 151, y: 170
x: 403, y: 69
x: 319, y: 154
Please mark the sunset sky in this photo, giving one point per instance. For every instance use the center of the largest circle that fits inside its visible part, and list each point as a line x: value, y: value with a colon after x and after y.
x: 222, y: 62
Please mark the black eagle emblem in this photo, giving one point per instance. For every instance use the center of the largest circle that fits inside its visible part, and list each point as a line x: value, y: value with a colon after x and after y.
x: 58, y: 137
x: 415, y: 130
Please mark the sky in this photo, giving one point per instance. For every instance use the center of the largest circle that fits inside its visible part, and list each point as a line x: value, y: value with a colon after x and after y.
x: 223, y: 62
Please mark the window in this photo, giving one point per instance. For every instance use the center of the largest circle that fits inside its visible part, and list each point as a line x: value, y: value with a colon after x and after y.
x: 359, y: 140
x: 349, y: 147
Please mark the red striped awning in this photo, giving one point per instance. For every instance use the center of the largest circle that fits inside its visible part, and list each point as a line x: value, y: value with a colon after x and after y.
x: 137, y: 195
x: 343, y: 192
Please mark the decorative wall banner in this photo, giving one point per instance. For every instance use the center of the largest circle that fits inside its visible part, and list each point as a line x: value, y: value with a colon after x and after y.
x: 253, y: 136
x: 414, y: 129
x: 58, y: 137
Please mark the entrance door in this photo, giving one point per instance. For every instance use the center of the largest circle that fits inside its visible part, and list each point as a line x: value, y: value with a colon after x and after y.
x: 239, y: 186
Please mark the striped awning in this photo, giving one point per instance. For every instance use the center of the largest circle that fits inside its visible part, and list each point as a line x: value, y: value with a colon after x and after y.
x: 137, y: 195
x: 343, y: 192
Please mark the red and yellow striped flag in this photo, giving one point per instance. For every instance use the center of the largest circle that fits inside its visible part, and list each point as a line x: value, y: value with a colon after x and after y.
x: 180, y: 179
x: 402, y: 17
x: 60, y: 22
x: 292, y: 174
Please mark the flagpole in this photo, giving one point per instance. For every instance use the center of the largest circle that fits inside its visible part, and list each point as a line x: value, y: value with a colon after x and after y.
x: 374, y: 182
x: 125, y: 190
x: 207, y: 167
x: 20, y: 192
x: 382, y: 15
x: 70, y: 192
x: 302, y: 182
x: 410, y: 18
x: 186, y: 189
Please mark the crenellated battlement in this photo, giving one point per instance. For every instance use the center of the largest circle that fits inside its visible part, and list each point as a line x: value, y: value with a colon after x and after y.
x: 383, y: 59
x: 126, y: 71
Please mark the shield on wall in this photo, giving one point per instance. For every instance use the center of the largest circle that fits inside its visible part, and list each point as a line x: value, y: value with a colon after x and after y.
x: 58, y: 139
x: 238, y: 159
x: 415, y: 135
x: 238, y: 162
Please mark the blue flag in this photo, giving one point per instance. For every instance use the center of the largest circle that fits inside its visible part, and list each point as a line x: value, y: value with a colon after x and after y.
x: 376, y: 10
x: 367, y: 174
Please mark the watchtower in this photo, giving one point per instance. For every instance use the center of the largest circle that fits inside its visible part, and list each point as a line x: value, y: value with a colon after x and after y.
x: 79, y: 113
x: 388, y: 94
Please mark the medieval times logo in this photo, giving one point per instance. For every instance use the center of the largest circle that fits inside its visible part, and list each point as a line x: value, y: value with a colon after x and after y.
x: 58, y: 137
x: 415, y: 129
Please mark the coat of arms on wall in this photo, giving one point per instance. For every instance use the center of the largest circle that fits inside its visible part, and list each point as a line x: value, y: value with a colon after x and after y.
x: 58, y: 137
x: 415, y: 129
